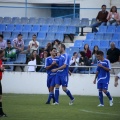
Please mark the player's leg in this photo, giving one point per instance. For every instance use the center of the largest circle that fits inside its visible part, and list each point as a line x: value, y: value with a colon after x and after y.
x: 99, y: 87
x: 105, y: 90
x: 2, y: 114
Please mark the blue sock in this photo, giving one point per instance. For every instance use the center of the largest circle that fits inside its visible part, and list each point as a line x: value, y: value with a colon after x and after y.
x: 50, y: 97
x: 57, y: 95
x: 69, y: 94
x: 53, y: 97
x: 108, y: 95
x: 101, y: 97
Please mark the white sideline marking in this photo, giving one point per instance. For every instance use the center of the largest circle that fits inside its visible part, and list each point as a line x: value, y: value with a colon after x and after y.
x: 87, y: 111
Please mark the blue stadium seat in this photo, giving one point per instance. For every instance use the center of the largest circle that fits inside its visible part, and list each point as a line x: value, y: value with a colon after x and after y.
x: 102, y: 29
x: 11, y: 66
x: 95, y: 42
x: 6, y: 20
x: 7, y: 35
x: 59, y: 36
x: 24, y: 20
x: 43, y: 43
x: 26, y: 28
x: 75, y: 22
x: 62, y: 29
x: 84, y: 22
x: 116, y: 37
x: 35, y: 28
x: 72, y: 50
x: 15, y: 20
x: 41, y: 21
x: 1, y: 20
x: 93, y: 21
x: 31, y: 34
x: 71, y: 30
x: 99, y: 36
x: 21, y: 59
x: 41, y: 35
x: 53, y: 28
x: 10, y: 27
x: 32, y: 20
x: 90, y: 36
x: 50, y: 36
x: 2, y: 27
x: 58, y: 21
x: 25, y: 35
x: 66, y: 21
x: 18, y: 27
x: 89, y: 42
x: 78, y: 43
x: 118, y: 29
x: 50, y: 21
x: 104, y: 44
x: 111, y: 29
x: 14, y: 34
x: 67, y: 50
x: 26, y: 43
x: 44, y: 28
x: 107, y: 36
x: 118, y: 44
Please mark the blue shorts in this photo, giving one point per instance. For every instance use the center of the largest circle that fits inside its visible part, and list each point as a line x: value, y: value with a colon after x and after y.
x: 102, y: 86
x: 51, y: 81
x: 61, y: 80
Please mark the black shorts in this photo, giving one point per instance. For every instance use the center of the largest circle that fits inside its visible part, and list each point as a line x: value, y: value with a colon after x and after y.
x: 0, y: 88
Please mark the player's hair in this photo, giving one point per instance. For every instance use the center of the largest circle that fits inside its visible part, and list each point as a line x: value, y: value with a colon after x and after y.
x: 1, y: 51
x: 103, y: 5
x: 1, y: 36
x: 100, y: 53
x: 20, y: 35
x: 35, y: 35
x: 63, y: 46
x: 52, y: 49
x: 74, y: 53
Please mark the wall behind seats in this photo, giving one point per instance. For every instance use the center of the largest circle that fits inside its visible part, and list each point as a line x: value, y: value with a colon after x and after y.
x: 20, y: 12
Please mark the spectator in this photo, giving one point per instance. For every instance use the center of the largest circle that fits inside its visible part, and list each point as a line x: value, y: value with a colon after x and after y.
x: 18, y: 43
x: 87, y: 51
x: 3, y: 44
x: 113, y: 55
x: 74, y: 62
x: 101, y: 19
x: 10, y: 52
x: 94, y: 53
x: 33, y: 44
x: 42, y: 69
x: 48, y: 48
x: 83, y: 61
x: 32, y: 62
x: 113, y: 17
x: 56, y: 44
x: 36, y: 59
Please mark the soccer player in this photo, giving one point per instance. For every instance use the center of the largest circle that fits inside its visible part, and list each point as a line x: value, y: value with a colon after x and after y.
x: 62, y: 75
x: 103, y: 77
x: 2, y: 114
x: 116, y: 80
x: 51, y: 63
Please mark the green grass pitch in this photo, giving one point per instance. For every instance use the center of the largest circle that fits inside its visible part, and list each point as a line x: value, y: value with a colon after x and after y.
x: 33, y: 107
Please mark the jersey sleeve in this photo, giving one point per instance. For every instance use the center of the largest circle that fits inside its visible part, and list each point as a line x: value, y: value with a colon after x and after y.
x: 46, y: 62
x: 66, y: 59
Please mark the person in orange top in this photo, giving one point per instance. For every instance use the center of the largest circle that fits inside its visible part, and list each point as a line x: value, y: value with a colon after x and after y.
x: 2, y: 114
x: 113, y: 16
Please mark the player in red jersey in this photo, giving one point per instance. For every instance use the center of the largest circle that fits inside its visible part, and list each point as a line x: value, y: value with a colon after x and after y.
x: 2, y: 114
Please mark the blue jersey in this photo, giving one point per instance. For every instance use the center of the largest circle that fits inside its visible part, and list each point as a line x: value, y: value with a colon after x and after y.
x: 63, y: 59
x: 48, y: 62
x: 103, y: 75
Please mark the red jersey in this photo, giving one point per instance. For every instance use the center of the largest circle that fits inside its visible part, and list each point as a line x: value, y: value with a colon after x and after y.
x: 0, y: 71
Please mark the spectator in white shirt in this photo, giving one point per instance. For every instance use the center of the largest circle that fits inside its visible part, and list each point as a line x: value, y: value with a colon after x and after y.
x: 33, y: 44
x: 32, y: 62
x: 74, y: 62
x: 3, y: 43
x: 18, y: 43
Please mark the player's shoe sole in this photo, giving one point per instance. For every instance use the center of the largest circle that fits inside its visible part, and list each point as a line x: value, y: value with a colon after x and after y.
x: 56, y: 103
x: 100, y: 105
x: 71, y: 102
x: 111, y: 102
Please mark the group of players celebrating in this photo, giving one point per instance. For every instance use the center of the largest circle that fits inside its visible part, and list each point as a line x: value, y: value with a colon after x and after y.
x: 58, y: 69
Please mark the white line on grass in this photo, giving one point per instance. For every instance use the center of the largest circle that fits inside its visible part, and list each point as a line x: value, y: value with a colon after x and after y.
x: 88, y: 111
